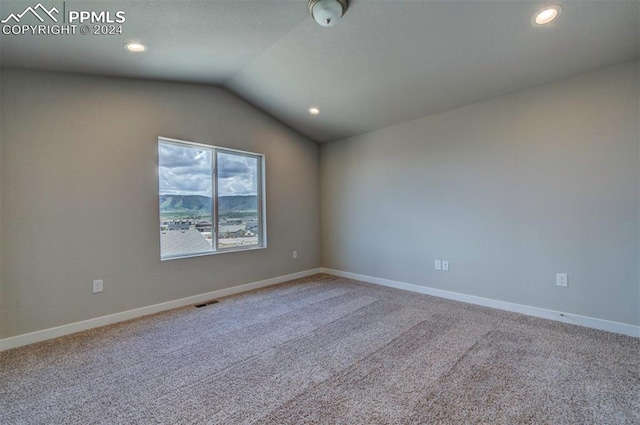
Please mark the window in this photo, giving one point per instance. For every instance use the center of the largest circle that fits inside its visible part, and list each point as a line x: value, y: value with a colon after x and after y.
x: 211, y: 199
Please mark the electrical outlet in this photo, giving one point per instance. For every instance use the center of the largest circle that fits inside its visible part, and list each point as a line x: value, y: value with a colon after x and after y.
x: 97, y: 286
x: 295, y: 255
x: 445, y: 266
x: 562, y: 279
x: 437, y: 265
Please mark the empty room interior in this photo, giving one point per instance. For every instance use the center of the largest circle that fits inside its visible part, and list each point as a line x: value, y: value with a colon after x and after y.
x: 320, y: 211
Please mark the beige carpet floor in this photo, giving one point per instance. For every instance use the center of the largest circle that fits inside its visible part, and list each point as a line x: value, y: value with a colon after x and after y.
x: 326, y: 350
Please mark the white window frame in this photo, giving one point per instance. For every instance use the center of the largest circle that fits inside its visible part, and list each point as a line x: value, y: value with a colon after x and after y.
x: 262, y: 214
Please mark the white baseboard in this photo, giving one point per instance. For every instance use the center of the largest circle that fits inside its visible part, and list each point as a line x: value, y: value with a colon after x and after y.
x: 590, y: 322
x: 30, y: 338
x: 574, y: 319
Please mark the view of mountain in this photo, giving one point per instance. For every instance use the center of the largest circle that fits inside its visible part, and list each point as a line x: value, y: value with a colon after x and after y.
x: 237, y: 203
x: 198, y: 203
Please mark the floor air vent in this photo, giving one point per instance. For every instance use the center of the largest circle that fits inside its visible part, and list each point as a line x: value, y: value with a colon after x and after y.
x: 206, y: 303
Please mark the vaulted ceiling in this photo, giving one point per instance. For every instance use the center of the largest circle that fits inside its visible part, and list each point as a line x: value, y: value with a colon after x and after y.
x: 386, y: 62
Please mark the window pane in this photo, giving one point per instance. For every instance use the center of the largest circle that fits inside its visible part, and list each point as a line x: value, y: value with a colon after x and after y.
x: 237, y: 191
x: 185, y: 188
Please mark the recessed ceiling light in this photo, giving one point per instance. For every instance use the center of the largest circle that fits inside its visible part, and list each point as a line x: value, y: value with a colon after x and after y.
x: 546, y: 15
x: 135, y: 47
x: 314, y: 111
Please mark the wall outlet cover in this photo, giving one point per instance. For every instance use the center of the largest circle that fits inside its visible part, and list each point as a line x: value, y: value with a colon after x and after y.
x: 97, y: 286
x: 562, y: 279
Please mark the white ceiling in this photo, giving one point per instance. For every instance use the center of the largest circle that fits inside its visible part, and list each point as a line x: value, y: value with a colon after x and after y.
x: 386, y: 62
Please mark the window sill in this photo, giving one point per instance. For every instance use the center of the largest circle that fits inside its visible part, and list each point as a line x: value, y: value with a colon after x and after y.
x: 204, y: 254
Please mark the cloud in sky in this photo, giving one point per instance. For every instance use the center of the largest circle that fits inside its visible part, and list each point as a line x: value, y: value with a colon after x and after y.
x: 187, y: 171
x: 237, y: 175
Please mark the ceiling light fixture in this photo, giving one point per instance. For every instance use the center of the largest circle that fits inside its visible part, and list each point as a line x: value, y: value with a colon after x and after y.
x: 135, y: 47
x: 327, y: 12
x: 546, y: 15
x: 314, y: 111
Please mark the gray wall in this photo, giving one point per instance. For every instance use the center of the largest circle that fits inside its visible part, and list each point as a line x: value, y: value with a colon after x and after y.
x: 2, y: 312
x: 510, y: 191
x: 80, y: 195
